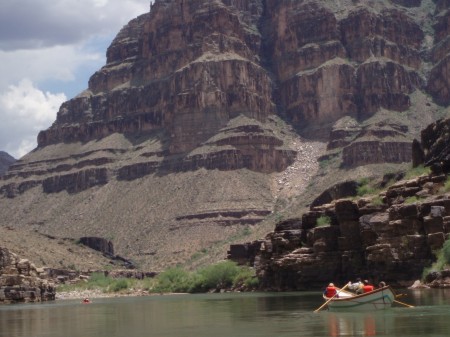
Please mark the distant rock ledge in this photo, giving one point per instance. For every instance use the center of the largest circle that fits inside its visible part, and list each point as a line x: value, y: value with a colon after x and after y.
x: 21, y: 281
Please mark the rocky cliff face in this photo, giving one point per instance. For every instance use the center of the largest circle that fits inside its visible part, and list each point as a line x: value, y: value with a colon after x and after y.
x: 21, y: 281
x: 394, y: 241
x: 392, y: 236
x: 182, y: 129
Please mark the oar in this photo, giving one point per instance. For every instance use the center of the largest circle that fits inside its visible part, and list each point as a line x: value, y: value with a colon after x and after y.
x: 318, y: 309
x: 406, y: 305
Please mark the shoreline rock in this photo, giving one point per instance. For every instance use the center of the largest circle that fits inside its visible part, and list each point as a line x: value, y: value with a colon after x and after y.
x: 21, y: 281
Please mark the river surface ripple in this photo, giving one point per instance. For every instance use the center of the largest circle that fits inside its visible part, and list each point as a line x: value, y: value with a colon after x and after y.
x: 225, y: 315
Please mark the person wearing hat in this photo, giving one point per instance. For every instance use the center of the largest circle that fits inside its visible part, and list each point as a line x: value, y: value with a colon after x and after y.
x: 330, y: 291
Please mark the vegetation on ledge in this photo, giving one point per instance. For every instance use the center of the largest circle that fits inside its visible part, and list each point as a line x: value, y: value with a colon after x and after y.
x: 223, y: 275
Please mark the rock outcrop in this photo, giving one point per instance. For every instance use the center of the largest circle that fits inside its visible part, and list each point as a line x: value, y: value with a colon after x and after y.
x: 184, y: 128
x: 21, y: 281
x: 434, y: 149
x: 392, y: 236
x: 100, y: 244
x: 391, y: 240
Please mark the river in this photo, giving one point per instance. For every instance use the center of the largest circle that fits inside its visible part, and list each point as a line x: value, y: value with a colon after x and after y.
x: 225, y: 315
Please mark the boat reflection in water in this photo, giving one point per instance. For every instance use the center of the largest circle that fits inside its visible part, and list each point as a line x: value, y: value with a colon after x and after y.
x: 356, y: 324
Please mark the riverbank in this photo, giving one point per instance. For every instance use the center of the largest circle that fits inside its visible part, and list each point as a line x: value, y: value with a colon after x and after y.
x: 98, y: 293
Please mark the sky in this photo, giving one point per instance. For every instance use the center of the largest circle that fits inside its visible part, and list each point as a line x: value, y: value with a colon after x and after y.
x: 48, y: 51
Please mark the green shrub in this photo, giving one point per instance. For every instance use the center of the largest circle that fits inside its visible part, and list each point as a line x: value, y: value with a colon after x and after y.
x: 226, y: 274
x: 442, y: 259
x: 364, y: 181
x: 323, y: 220
x: 364, y: 188
x: 446, y: 251
x: 324, y: 163
x: 246, y: 277
x: 98, y: 280
x: 173, y: 280
x: 377, y: 201
x: 446, y: 187
x: 118, y: 285
x: 412, y: 200
x: 218, y: 276
x: 417, y: 171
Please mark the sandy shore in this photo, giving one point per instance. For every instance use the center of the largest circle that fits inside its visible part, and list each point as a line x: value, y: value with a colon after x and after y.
x: 96, y: 293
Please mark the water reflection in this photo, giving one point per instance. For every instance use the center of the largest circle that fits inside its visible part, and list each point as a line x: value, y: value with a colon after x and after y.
x: 429, y: 317
x: 356, y: 324
x: 224, y: 315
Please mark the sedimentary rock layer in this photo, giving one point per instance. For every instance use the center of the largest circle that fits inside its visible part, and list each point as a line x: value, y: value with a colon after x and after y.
x: 199, y: 89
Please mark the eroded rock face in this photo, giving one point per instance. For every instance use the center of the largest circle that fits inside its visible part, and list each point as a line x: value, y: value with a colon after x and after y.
x: 198, y: 86
x: 393, y: 241
x: 21, y: 281
x: 439, y: 83
x: 183, y: 87
x: 329, y: 68
x: 386, y: 237
x: 434, y: 149
x: 195, y: 74
x: 100, y: 244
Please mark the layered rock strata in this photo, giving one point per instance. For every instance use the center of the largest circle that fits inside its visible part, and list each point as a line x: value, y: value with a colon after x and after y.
x: 21, y: 281
x: 391, y: 241
x: 181, y: 85
x: 392, y: 236
x: 434, y: 149
x: 181, y: 129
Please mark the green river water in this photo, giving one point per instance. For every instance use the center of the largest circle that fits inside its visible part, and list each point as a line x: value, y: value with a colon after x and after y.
x: 224, y: 315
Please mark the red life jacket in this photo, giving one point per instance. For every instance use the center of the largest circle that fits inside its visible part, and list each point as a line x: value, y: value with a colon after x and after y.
x: 330, y: 292
x: 367, y: 288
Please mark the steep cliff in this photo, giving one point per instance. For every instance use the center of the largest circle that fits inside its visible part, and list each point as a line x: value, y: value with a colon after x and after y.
x: 188, y: 136
x: 392, y: 235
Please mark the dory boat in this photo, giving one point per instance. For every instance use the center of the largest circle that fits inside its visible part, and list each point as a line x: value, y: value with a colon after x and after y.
x: 377, y: 299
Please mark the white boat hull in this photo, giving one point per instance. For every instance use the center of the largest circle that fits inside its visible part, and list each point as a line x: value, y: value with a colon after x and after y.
x: 378, y: 299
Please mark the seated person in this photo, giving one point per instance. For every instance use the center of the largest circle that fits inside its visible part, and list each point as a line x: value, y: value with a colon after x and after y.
x: 367, y: 287
x: 331, y: 291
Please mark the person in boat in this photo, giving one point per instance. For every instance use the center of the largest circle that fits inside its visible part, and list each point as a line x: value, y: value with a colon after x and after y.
x: 356, y: 287
x: 367, y: 287
x: 331, y: 291
x: 382, y: 284
x: 86, y: 301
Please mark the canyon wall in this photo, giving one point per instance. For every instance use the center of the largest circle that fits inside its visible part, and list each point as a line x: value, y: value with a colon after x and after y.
x: 390, y: 236
x: 198, y: 106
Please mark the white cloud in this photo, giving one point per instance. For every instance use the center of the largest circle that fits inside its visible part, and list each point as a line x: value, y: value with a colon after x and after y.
x: 54, y: 45
x: 52, y: 63
x: 27, y: 24
x: 25, y: 102
x: 26, y: 111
